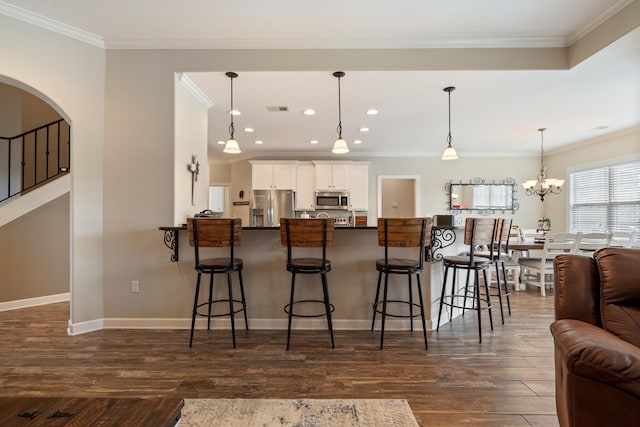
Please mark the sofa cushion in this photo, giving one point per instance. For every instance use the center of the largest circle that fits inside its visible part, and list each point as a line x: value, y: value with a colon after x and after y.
x: 577, y: 284
x: 620, y: 292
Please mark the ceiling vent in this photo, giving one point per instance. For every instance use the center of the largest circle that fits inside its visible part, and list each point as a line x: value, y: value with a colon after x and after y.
x: 277, y: 109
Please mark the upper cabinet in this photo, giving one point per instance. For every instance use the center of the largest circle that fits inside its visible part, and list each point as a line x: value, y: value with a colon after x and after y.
x: 267, y: 175
x: 305, y: 189
x: 359, y: 186
x: 332, y: 176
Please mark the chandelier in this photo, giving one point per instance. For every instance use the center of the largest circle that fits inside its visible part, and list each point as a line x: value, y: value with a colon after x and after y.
x: 543, y: 185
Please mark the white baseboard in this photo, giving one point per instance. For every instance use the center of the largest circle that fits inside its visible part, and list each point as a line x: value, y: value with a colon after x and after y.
x: 256, y: 324
x: 85, y: 327
x: 32, y: 302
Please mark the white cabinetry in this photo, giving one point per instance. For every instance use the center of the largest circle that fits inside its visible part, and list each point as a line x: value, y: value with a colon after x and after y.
x: 305, y: 188
x: 332, y: 176
x: 267, y: 175
x: 359, y: 187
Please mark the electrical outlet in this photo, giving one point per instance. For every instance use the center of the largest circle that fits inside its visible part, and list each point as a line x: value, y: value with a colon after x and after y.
x: 135, y: 286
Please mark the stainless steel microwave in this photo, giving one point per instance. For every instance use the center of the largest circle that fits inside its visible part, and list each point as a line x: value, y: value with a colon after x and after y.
x: 332, y: 200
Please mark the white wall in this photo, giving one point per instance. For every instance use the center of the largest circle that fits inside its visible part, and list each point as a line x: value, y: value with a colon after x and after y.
x: 69, y: 75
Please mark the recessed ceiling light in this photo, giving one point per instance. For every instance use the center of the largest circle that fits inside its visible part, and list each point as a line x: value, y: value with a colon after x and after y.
x: 601, y: 127
x: 309, y: 112
x: 313, y: 141
x: 357, y: 141
x: 372, y: 111
x: 364, y: 129
x: 235, y: 112
x: 248, y: 129
x: 258, y: 142
x: 221, y: 142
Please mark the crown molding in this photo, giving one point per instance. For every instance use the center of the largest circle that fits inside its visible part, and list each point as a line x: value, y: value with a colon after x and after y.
x: 194, y: 90
x: 50, y: 24
x: 609, y: 12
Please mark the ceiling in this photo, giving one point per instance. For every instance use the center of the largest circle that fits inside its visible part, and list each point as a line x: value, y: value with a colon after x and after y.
x: 492, y: 112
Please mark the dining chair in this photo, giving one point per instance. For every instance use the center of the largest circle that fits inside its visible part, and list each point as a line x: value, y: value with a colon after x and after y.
x: 623, y: 239
x: 542, y: 268
x: 217, y: 233
x: 591, y: 242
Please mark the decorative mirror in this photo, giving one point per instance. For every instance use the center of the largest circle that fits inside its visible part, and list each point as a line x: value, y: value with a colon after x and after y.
x: 479, y: 195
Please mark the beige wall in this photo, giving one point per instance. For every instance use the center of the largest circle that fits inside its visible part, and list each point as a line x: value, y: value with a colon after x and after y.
x: 69, y: 76
x: 36, y: 262
x: 617, y: 148
x: 397, y: 198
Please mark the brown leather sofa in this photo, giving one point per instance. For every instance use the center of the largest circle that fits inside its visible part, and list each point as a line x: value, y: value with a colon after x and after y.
x: 597, y: 338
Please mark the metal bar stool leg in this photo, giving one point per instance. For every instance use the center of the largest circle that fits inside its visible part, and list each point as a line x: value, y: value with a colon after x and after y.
x: 476, y: 285
x: 410, y: 302
x: 489, y: 305
x: 444, y: 285
x: 231, y: 308
x: 499, y: 292
x: 293, y: 287
x: 195, y: 309
x: 210, y: 300
x: 244, y: 302
x: 384, y: 308
x: 507, y: 292
x: 375, y: 301
x: 424, y: 322
x: 453, y: 293
x: 327, y: 306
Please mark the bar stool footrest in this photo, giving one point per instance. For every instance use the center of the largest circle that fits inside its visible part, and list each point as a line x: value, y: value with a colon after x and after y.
x: 405, y: 316
x: 331, y: 308
x: 226, y: 301
x: 451, y: 304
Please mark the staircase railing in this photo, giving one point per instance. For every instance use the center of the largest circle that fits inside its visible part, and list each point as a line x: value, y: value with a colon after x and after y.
x: 34, y: 157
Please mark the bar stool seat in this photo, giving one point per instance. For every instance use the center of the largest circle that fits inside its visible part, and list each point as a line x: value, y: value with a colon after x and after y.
x: 308, y: 233
x: 401, y: 233
x: 217, y: 233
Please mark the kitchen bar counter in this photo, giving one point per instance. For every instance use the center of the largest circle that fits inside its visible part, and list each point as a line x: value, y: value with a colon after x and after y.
x: 352, y: 280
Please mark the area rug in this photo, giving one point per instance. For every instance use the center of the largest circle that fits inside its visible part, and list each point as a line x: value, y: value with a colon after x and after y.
x: 296, y: 413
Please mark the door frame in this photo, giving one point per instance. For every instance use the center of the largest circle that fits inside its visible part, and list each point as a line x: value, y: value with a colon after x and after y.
x: 416, y: 192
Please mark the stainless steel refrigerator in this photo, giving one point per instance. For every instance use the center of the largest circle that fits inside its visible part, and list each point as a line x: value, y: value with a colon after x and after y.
x: 268, y: 206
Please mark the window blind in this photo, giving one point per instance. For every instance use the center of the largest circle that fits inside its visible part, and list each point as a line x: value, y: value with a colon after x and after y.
x: 605, y: 198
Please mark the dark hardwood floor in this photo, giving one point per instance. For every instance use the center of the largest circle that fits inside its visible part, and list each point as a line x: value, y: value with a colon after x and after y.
x: 508, y: 380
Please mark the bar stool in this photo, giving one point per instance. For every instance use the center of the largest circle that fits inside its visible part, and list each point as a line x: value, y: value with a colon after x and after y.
x: 477, y: 231
x: 497, y: 257
x: 406, y: 233
x: 217, y: 232
x: 308, y: 233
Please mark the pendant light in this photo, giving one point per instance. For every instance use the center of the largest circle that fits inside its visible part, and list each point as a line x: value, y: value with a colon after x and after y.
x: 340, y: 146
x: 449, y: 152
x: 231, y: 146
x: 542, y: 185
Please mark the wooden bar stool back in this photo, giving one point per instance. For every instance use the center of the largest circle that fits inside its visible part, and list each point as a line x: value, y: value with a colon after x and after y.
x: 477, y: 232
x: 308, y: 233
x: 217, y: 233
x: 401, y: 233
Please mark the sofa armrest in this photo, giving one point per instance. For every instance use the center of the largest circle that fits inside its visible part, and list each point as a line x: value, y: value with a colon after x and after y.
x: 595, y: 354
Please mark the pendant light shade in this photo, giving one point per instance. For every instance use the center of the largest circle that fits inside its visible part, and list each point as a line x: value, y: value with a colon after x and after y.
x: 231, y: 146
x: 340, y: 146
x: 449, y: 152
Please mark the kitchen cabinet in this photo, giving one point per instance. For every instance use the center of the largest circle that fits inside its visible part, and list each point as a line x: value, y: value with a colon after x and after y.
x: 359, y: 187
x: 331, y: 176
x: 269, y: 175
x: 305, y: 187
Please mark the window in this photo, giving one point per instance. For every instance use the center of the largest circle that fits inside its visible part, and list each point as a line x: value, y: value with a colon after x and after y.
x: 605, y: 198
